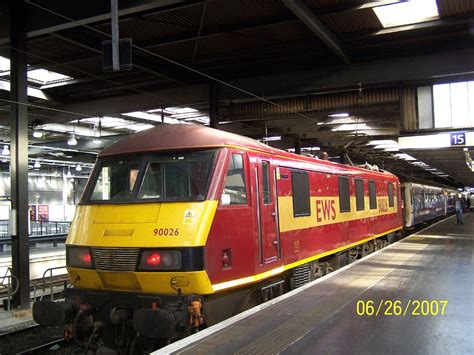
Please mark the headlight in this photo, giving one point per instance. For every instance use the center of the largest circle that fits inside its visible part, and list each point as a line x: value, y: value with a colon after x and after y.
x: 78, y: 257
x: 151, y: 259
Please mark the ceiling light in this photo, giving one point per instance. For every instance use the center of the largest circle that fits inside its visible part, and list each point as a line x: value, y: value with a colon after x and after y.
x: 72, y: 140
x: 465, y: 149
x: 351, y: 127
x: 5, y: 150
x: 407, y: 12
x: 404, y: 157
x: 97, y: 141
x: 390, y: 142
x: 309, y: 149
x: 37, y: 165
x: 37, y: 134
x: 78, y: 167
x: 342, y: 114
x: 271, y: 139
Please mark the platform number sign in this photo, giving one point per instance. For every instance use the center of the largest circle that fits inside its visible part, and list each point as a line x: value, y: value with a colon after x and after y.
x: 458, y: 138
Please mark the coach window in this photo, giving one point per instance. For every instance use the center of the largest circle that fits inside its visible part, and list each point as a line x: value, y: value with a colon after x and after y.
x: 360, y: 203
x: 372, y: 195
x: 344, y: 197
x: 267, y: 198
x: 235, y: 189
x: 301, y: 200
x: 391, y: 202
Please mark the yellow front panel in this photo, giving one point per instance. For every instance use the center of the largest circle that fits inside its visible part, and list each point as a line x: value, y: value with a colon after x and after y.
x: 171, y: 224
x: 325, y: 210
x: 196, y: 282
x: 183, y: 224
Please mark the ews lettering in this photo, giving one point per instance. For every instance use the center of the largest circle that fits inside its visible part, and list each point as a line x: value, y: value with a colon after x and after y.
x: 325, y: 210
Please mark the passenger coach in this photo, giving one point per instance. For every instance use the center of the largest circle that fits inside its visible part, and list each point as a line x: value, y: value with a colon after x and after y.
x: 181, y: 226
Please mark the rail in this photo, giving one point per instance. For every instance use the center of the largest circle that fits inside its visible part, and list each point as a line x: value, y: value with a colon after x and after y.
x: 9, y: 286
x: 48, y: 282
x: 40, y: 231
x: 38, y: 228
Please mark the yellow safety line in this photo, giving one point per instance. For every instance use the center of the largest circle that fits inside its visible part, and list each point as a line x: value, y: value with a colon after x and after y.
x: 280, y: 269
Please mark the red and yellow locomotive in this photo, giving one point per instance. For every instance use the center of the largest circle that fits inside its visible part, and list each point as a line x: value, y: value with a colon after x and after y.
x: 181, y: 226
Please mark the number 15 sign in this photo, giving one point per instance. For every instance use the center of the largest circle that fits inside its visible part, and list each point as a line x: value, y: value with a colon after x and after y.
x: 458, y: 138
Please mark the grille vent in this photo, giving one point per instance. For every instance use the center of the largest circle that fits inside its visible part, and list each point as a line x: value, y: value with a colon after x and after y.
x: 115, y: 259
x: 301, y: 275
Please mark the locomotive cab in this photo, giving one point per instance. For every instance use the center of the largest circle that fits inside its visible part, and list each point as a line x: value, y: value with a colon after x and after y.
x: 135, y: 250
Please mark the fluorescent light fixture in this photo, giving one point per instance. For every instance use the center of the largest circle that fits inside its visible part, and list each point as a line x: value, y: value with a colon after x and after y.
x: 226, y: 122
x: 144, y: 116
x: 351, y: 127
x: 407, y: 12
x: 310, y: 149
x: 37, y: 134
x: 72, y: 140
x: 271, y: 139
x: 386, y: 142
x: 96, y: 141
x: 404, y: 157
x: 5, y: 150
x: 342, y: 114
x: 465, y: 149
x: 341, y: 120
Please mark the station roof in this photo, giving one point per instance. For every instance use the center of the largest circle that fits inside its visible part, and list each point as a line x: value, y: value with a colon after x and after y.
x: 282, y: 69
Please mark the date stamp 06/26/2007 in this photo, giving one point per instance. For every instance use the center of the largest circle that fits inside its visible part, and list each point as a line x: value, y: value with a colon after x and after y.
x: 398, y: 308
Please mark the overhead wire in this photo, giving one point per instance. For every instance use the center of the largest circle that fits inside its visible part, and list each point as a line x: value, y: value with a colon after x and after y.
x: 222, y: 82
x: 121, y: 85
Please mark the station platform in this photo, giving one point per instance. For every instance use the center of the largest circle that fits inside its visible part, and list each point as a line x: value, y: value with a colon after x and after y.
x: 42, y: 258
x: 414, y: 297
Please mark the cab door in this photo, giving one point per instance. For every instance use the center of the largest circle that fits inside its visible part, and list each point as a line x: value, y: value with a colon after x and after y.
x: 267, y: 205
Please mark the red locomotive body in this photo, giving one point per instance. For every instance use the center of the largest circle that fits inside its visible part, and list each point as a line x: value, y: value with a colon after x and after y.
x: 296, y: 210
x: 186, y: 219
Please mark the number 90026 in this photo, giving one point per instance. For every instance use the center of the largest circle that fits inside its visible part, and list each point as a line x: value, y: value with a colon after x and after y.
x: 167, y: 232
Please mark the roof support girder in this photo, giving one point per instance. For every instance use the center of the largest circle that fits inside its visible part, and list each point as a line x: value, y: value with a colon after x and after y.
x: 306, y: 16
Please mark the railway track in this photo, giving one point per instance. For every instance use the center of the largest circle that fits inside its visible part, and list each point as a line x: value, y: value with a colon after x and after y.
x: 33, y: 339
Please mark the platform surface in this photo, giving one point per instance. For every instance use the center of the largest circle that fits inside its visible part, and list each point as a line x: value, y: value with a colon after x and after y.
x: 435, y: 264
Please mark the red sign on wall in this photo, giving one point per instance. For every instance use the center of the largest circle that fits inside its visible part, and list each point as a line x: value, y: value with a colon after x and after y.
x: 43, y: 212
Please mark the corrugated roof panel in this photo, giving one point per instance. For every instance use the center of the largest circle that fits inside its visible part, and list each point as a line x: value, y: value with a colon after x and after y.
x: 448, y: 8
x: 224, y: 12
x: 326, y: 4
x: 239, y: 40
x: 353, y: 21
x: 51, y: 48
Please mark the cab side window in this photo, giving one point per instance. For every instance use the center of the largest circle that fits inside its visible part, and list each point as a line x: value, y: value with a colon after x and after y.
x: 235, y: 188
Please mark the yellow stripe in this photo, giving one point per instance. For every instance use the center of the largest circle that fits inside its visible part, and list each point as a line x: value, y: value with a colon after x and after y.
x: 325, y: 210
x: 280, y: 269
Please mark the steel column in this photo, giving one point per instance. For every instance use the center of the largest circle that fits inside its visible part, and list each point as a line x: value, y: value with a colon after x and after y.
x: 298, y: 146
x: 115, y: 35
x: 213, y: 105
x: 19, y: 153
